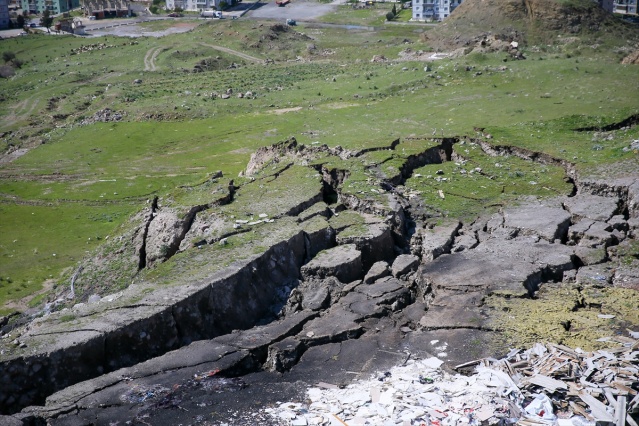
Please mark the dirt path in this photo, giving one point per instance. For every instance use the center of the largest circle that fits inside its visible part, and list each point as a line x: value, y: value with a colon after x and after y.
x: 21, y: 110
x: 150, y: 57
x: 234, y: 52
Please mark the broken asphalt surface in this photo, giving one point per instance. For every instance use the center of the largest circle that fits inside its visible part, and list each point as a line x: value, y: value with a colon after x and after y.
x: 323, y: 303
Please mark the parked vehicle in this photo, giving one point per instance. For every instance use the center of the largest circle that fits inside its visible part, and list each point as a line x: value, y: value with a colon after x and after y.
x: 211, y: 14
x: 291, y: 22
x: 282, y: 3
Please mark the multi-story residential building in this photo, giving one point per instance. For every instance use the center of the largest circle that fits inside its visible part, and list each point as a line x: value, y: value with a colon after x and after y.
x: 107, y: 8
x: 606, y: 5
x: 433, y: 10
x: 625, y: 7
x: 4, y: 14
x: 198, y: 5
x: 54, y: 6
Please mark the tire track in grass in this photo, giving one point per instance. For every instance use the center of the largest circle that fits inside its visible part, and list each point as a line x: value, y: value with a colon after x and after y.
x: 235, y: 53
x: 21, y: 110
x: 149, y: 58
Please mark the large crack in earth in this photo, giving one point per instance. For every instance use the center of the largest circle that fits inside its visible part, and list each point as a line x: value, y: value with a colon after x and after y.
x: 388, y: 276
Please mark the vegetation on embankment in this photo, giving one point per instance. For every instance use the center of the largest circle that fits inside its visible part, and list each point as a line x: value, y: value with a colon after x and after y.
x: 81, y: 179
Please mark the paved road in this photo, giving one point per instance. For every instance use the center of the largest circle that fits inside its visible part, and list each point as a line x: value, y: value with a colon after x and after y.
x: 299, y: 10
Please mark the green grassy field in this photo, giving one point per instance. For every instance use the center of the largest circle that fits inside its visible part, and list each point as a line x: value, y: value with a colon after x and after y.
x: 80, y: 181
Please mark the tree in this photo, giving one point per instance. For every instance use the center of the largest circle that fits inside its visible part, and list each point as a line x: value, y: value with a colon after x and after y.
x: 394, y: 11
x: 8, y: 56
x: 20, y: 21
x: 46, y: 21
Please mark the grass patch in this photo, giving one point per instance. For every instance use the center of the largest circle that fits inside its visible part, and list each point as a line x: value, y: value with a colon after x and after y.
x: 565, y: 315
x: 176, y: 130
x: 38, y: 243
x: 475, y: 182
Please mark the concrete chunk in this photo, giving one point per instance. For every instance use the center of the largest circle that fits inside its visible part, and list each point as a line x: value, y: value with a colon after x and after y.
x: 260, y: 337
x: 374, y: 241
x: 455, y: 310
x: 377, y: 271
x: 283, y: 355
x: 591, y: 256
x: 439, y: 240
x: 598, y: 234
x: 593, y: 207
x: 577, y: 231
x: 466, y: 241
x: 476, y: 271
x: 405, y: 264
x: 343, y: 262
x: 549, y: 223
x: 619, y: 223
x: 381, y: 287
x: 336, y: 325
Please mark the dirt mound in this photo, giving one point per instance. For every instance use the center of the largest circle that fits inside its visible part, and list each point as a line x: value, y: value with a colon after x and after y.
x: 527, y: 22
x: 633, y: 58
x: 276, y: 36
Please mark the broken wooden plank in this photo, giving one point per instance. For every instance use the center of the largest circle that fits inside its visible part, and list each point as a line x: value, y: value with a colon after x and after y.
x: 620, y: 411
x: 623, y: 388
x: 597, y: 408
x: 467, y: 364
x: 610, y: 397
x: 578, y: 409
x: 547, y: 382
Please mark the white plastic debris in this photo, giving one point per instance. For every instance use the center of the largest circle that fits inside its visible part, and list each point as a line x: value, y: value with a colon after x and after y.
x: 541, y: 409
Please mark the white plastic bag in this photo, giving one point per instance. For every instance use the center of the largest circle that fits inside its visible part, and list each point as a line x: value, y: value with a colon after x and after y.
x: 541, y: 409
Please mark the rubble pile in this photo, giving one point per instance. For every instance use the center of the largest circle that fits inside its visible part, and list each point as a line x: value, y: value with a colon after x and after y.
x: 600, y: 386
x: 547, y: 384
x: 90, y: 48
x: 104, y: 115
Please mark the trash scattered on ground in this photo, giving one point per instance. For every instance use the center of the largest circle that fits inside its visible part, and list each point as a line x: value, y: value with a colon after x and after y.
x: 546, y: 385
x: 139, y: 394
x: 159, y: 396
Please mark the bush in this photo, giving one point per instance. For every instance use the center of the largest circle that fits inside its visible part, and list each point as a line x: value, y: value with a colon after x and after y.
x: 153, y: 9
x: 8, y: 56
x: 390, y: 16
x: 7, y: 71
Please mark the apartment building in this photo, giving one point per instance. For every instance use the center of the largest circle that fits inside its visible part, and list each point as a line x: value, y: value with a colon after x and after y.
x: 4, y: 14
x: 54, y: 6
x: 107, y: 8
x: 434, y: 10
x: 198, y: 5
x: 625, y: 7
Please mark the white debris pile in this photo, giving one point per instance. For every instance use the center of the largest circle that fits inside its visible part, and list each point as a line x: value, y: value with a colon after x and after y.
x: 584, y: 387
x: 545, y: 385
x: 412, y: 394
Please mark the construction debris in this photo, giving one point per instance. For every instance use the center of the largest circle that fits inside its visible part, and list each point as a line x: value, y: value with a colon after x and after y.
x: 546, y: 385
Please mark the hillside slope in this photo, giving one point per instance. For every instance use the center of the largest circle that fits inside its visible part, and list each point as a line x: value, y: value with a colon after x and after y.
x: 530, y: 22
